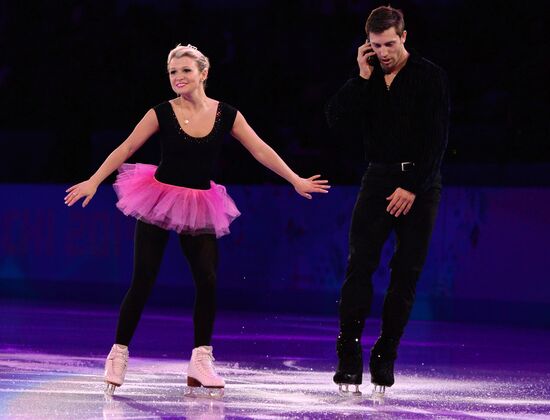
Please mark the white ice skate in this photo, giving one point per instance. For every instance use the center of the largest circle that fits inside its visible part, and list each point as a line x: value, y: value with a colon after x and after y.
x: 201, y: 374
x: 115, y: 367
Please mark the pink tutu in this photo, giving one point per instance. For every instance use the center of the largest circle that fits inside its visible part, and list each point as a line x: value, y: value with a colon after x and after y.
x: 184, y: 210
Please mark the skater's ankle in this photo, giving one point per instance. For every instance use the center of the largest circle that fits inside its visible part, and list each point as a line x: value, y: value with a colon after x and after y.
x: 121, y: 346
x: 385, y: 349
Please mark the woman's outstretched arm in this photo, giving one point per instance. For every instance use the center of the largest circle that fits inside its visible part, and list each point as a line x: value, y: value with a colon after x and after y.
x: 264, y: 154
x: 141, y: 133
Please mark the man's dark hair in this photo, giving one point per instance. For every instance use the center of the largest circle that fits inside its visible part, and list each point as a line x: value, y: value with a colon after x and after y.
x: 385, y: 17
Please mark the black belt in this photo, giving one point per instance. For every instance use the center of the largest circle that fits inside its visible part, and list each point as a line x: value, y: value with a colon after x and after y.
x: 393, y: 167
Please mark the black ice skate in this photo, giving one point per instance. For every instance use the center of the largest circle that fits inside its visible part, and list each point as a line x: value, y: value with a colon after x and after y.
x: 350, y: 365
x: 382, y: 358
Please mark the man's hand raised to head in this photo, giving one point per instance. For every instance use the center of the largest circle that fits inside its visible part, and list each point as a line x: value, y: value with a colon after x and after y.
x: 364, y: 52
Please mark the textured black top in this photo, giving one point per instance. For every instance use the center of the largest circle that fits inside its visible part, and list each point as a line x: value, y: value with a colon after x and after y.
x: 407, y: 122
x: 188, y: 161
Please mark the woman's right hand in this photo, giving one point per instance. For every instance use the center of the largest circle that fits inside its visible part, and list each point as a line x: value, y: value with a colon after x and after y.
x: 76, y: 192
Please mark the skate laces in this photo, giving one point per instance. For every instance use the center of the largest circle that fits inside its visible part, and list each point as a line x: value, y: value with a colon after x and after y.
x: 205, y: 361
x: 207, y: 357
x: 119, y: 357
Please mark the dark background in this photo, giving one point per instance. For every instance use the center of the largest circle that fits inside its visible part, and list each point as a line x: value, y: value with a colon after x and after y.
x: 76, y: 76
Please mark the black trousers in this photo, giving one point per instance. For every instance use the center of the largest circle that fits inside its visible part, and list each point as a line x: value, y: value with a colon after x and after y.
x: 201, y: 252
x: 370, y: 228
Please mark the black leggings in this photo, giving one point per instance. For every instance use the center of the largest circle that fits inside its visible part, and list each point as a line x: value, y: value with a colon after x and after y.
x: 201, y: 252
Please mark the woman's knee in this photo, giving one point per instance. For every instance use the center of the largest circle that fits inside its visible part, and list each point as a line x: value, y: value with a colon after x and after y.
x: 205, y: 277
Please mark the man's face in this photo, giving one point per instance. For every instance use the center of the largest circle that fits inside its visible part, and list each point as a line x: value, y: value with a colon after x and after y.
x: 389, y: 48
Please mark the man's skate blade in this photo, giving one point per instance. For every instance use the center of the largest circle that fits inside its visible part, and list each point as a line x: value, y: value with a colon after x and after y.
x: 378, y: 394
x: 345, y: 391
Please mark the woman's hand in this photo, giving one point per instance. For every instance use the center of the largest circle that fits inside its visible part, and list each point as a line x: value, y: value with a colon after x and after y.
x: 304, y: 186
x: 76, y: 192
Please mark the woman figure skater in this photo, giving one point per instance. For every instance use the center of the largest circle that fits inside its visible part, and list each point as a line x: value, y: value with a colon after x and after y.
x: 179, y: 195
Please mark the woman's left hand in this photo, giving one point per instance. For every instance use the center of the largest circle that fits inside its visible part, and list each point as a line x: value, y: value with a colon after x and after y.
x: 304, y: 186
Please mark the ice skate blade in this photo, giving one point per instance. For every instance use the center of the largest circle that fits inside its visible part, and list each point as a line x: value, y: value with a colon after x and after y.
x: 110, y: 389
x: 378, y: 394
x: 377, y: 398
x: 343, y: 390
x: 204, y: 392
x: 379, y: 389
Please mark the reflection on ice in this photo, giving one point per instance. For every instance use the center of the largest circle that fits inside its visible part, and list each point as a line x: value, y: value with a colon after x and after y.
x: 46, y: 385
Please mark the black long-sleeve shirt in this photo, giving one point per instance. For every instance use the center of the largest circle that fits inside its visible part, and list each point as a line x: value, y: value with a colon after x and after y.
x: 407, y: 122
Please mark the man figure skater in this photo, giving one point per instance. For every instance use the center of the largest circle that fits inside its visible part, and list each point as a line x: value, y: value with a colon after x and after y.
x: 401, y: 101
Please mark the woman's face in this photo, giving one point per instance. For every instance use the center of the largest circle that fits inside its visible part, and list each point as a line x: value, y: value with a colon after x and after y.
x: 185, y: 76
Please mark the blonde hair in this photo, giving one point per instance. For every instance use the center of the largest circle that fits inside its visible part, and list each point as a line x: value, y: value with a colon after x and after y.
x: 189, y: 51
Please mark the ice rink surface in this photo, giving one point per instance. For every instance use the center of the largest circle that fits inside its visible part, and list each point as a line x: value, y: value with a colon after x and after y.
x: 275, y: 366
